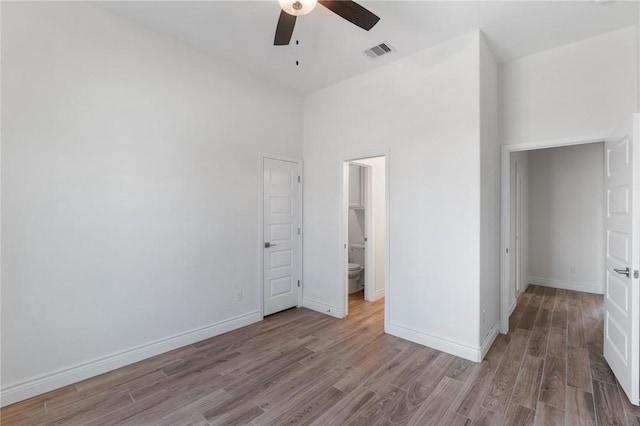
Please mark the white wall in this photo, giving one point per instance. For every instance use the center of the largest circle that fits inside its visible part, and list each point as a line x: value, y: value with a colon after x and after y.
x: 566, y: 223
x: 520, y: 162
x: 423, y: 110
x: 129, y: 190
x: 379, y: 221
x: 584, y: 89
x: 489, y: 198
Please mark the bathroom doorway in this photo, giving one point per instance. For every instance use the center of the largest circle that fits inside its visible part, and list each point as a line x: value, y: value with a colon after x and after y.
x: 365, y: 230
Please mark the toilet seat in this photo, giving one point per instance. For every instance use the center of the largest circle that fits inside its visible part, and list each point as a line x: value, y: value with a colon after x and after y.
x: 354, y: 266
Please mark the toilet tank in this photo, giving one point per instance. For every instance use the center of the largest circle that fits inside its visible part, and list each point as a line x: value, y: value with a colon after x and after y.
x: 357, y: 254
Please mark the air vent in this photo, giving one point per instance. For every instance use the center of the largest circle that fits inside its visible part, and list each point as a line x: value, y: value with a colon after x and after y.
x: 379, y: 50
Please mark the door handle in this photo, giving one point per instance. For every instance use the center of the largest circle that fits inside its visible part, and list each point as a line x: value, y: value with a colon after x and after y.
x: 268, y: 244
x: 625, y: 271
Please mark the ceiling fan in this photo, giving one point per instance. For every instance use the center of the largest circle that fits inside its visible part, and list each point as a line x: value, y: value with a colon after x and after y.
x: 347, y: 9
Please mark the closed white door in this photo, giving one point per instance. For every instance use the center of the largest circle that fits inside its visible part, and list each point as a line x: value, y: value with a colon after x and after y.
x: 621, y: 303
x: 281, y: 225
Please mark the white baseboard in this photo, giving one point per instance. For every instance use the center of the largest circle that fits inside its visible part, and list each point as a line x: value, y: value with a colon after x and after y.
x: 57, y: 379
x: 567, y: 285
x: 491, y: 337
x: 472, y: 353
x: 513, y: 306
x: 314, y: 305
x: 379, y: 294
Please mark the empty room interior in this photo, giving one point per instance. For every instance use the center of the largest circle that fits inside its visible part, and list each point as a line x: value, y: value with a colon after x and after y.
x: 320, y: 212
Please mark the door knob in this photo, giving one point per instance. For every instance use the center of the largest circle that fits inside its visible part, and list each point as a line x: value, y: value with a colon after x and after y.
x: 268, y: 244
x: 625, y: 271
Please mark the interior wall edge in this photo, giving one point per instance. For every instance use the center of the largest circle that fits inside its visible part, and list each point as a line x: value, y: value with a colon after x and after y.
x: 470, y: 352
x: 379, y: 294
x: 39, y: 385
x: 323, y: 308
x: 489, y: 339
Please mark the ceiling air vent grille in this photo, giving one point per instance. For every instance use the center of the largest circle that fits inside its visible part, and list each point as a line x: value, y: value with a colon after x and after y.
x: 379, y: 50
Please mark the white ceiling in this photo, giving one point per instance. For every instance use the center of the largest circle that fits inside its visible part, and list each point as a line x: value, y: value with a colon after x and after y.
x: 241, y: 32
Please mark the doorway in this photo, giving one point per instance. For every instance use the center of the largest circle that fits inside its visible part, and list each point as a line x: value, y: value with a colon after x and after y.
x: 365, y: 230
x: 281, y: 245
x: 617, y: 228
x: 515, y: 267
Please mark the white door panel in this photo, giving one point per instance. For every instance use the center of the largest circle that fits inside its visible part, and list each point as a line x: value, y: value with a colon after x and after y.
x: 281, y: 220
x: 621, y: 327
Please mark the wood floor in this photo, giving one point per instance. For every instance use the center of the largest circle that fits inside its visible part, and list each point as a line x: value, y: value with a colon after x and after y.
x: 302, y: 367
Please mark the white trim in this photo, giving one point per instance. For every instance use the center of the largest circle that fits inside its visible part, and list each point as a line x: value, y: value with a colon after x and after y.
x: 344, y: 239
x: 379, y: 294
x: 387, y: 241
x: 518, y: 229
x: 505, y: 200
x: 488, y: 341
x: 635, y: 260
x: 57, y: 379
x: 505, y: 182
x: 370, y: 234
x: 472, y: 353
x: 568, y: 285
x: 552, y: 143
x: 314, y: 305
x: 299, y: 162
x: 513, y: 305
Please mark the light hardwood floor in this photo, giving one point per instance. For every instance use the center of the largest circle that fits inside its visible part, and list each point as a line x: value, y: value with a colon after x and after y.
x: 302, y: 367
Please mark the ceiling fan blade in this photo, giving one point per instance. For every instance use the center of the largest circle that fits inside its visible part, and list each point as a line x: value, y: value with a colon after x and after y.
x: 284, y: 30
x: 352, y: 12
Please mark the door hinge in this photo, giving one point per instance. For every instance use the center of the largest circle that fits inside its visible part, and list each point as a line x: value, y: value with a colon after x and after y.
x: 298, y: 283
x: 298, y: 231
x: 636, y: 274
x: 298, y: 179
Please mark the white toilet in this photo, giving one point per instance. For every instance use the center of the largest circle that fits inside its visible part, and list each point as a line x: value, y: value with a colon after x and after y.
x: 355, y: 273
x: 356, y: 268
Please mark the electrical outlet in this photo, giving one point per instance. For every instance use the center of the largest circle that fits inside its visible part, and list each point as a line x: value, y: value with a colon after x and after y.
x: 239, y: 296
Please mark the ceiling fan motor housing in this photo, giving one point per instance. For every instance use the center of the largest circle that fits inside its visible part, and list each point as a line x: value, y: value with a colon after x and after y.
x: 297, y: 7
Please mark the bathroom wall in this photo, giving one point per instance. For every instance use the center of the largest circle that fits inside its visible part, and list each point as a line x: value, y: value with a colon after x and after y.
x: 356, y: 215
x: 378, y: 236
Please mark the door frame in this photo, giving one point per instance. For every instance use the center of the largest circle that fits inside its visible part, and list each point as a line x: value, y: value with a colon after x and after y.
x: 505, y: 202
x: 518, y: 229
x: 299, y: 162
x: 369, y: 230
x: 344, y: 230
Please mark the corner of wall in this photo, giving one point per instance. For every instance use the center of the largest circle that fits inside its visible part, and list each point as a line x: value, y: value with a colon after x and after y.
x: 489, y: 190
x: 323, y: 308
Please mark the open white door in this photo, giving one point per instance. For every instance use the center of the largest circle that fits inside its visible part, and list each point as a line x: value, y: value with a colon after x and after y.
x: 281, y: 227
x: 622, y: 227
